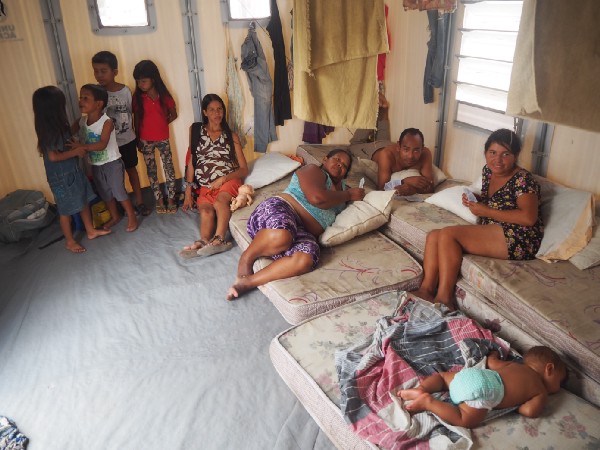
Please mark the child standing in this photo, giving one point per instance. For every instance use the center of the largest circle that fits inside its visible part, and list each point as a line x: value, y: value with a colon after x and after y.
x: 67, y: 180
x: 97, y: 137
x: 503, y: 384
x: 105, y: 66
x: 154, y: 110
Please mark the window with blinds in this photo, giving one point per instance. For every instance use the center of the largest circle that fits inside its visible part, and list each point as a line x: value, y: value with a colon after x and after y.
x: 488, y: 37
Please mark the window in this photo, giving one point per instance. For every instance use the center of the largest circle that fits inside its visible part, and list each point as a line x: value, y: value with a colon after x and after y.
x: 122, y: 16
x: 249, y: 9
x: 488, y: 39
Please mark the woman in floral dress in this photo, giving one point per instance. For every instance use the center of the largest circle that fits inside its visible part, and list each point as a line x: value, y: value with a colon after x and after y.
x: 510, y: 224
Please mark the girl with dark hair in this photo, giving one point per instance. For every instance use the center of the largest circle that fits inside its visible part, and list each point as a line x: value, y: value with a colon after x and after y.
x: 71, y: 188
x: 510, y: 224
x: 286, y: 227
x: 153, y: 111
x: 217, y: 168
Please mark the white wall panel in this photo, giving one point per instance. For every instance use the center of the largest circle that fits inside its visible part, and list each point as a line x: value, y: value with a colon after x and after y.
x: 26, y: 65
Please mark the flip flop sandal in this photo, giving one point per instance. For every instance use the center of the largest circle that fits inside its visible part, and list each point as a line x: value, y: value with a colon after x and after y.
x: 212, y: 249
x: 171, y: 209
x: 143, y: 210
x: 189, y: 251
x: 161, y: 209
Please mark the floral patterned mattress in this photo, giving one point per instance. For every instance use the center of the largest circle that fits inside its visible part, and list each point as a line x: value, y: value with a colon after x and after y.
x: 556, y: 304
x: 352, y: 271
x: 304, y: 357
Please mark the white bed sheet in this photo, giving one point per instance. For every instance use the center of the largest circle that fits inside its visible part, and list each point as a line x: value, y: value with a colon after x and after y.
x: 130, y: 347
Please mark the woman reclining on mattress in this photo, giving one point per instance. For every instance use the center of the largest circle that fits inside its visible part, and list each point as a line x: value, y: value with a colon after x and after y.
x: 286, y: 227
x: 510, y: 224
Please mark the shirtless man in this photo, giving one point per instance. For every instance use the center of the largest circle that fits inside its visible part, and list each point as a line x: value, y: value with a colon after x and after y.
x: 407, y: 153
x: 504, y: 384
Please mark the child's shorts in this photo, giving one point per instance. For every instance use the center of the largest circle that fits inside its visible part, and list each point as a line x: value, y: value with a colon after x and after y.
x: 275, y: 213
x: 207, y: 195
x: 129, y: 154
x: 72, y: 192
x: 110, y: 180
x: 478, y: 388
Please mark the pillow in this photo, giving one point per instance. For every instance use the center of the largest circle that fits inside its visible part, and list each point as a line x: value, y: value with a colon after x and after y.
x: 568, y: 216
x: 451, y: 200
x: 369, y: 168
x: 590, y: 256
x: 359, y: 218
x: 269, y: 168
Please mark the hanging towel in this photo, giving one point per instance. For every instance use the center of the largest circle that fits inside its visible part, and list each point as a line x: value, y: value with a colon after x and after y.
x: 335, y: 61
x: 282, y: 108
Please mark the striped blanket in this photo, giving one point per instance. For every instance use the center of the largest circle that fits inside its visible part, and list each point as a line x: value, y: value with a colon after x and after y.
x: 420, y: 339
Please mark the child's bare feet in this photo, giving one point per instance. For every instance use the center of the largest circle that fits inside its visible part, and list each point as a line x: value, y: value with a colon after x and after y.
x: 112, y: 222
x: 97, y: 233
x: 239, y: 287
x: 74, y: 247
x: 132, y: 223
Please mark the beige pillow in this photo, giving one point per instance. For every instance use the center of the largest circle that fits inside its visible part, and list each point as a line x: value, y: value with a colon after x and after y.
x: 568, y: 216
x: 370, y: 167
x: 359, y: 218
x: 590, y: 256
x: 451, y: 200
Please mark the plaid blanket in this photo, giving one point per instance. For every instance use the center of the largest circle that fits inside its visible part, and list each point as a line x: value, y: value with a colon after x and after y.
x: 418, y: 340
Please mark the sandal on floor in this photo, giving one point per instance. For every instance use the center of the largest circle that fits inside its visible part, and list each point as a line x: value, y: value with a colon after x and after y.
x: 161, y: 209
x: 191, y: 251
x: 216, y: 245
x: 171, y: 209
x: 143, y: 210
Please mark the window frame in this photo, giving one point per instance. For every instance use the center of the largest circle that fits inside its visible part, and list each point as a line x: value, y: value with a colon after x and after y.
x: 244, y: 20
x: 461, y: 104
x: 99, y: 29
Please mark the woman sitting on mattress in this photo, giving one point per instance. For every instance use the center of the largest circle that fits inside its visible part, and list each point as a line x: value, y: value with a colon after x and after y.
x: 286, y: 227
x: 510, y: 224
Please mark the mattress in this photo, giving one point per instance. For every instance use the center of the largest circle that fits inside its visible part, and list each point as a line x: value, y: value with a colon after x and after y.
x: 304, y: 357
x: 352, y: 271
x: 554, y: 303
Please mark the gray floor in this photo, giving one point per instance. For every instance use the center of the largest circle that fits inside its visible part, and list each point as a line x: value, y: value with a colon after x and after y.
x: 129, y: 347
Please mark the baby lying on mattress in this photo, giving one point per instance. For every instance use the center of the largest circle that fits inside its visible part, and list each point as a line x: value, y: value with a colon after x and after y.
x: 504, y: 384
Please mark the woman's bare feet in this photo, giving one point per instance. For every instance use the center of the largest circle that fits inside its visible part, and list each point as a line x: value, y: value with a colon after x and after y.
x: 425, y: 294
x: 74, y: 247
x: 240, y: 286
x: 97, y: 233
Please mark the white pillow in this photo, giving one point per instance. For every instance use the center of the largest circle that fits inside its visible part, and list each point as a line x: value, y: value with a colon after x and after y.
x: 359, y: 218
x: 451, y: 200
x: 590, y: 256
x: 369, y: 168
x: 568, y: 216
x: 269, y: 168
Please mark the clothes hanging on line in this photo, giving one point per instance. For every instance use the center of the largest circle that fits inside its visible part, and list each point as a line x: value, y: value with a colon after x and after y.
x: 261, y: 88
x: 282, y: 108
x: 314, y: 133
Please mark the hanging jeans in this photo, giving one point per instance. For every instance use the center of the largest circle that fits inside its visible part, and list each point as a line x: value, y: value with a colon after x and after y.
x: 436, y: 53
x: 261, y: 86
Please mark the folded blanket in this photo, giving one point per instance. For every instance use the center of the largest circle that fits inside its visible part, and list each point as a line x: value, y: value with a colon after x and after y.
x: 335, y: 61
x: 419, y: 340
